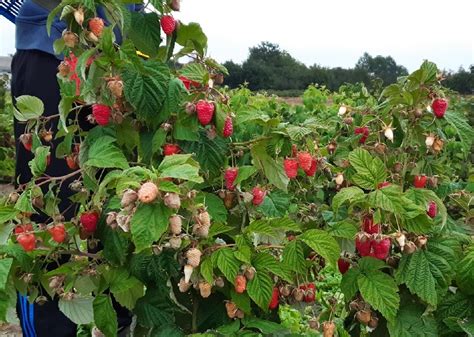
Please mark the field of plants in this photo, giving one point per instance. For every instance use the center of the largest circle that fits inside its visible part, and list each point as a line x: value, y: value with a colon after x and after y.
x: 209, y: 211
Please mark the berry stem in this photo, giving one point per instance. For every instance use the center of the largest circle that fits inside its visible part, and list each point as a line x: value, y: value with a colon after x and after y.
x: 249, y: 142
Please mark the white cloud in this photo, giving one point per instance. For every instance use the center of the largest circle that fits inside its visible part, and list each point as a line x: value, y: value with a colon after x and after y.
x: 331, y: 33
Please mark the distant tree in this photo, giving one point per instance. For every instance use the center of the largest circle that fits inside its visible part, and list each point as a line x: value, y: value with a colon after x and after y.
x: 236, y: 75
x: 382, y: 67
x: 461, y: 81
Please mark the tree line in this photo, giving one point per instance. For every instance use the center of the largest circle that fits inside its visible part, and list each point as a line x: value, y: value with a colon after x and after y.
x: 270, y: 68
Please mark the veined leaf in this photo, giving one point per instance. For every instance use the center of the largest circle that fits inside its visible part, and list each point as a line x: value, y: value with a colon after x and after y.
x: 349, y: 285
x: 367, y: 166
x: 244, y: 173
x: 260, y: 289
x: 275, y: 204
x: 465, y: 273
x: 207, y: 270
x: 323, y: 244
x: 79, y: 309
x: 464, y: 130
x: 293, y: 256
x: 103, y: 153
x: 388, y: 198
x: 350, y: 194
x: 149, y: 222
x: 105, y: 316
x: 5, y: 265
x: 272, y: 169
x: 272, y: 227
x: 227, y: 263
x: 265, y: 261
x: 28, y: 107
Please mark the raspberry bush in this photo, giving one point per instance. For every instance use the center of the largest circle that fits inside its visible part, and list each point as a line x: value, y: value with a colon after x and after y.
x: 216, y: 212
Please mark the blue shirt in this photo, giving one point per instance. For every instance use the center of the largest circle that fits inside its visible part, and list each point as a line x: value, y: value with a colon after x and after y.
x: 31, y: 32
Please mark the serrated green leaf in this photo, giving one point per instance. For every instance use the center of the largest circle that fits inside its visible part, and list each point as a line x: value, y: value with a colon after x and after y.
x: 149, y: 222
x: 147, y: 89
x: 266, y: 327
x: 195, y: 72
x: 465, y: 273
x: 105, y: 317
x: 273, y: 169
x: 28, y: 107
x: 380, y: 291
x: 241, y: 300
x: 275, y: 204
x: 79, y: 310
x: 265, y: 261
x: 207, y: 270
x: 227, y: 263
x: 40, y: 161
x: 388, y: 198
x: 103, y: 153
x: 5, y: 265
x: 155, y: 309
x: 412, y: 322
x: 350, y: 194
x: 260, y: 289
x: 464, y: 130
x: 215, y: 206
x: 343, y: 229
x: 244, y: 173
x: 7, y: 213
x: 349, y: 285
x: 293, y: 256
x: 323, y: 244
x: 372, y: 169
x: 272, y: 227
x: 145, y: 32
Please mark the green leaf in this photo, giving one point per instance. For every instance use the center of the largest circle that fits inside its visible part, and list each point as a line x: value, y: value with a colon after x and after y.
x: 40, y: 162
x: 428, y: 272
x: 155, y: 309
x: 412, y: 322
x: 227, y: 263
x: 228, y: 329
x: 79, y: 310
x: 350, y: 194
x: 323, y: 244
x: 180, y: 166
x: 244, y: 173
x: 422, y: 197
x: 343, y: 229
x: 273, y: 169
x: 23, y: 203
x: 275, y: 204
x: 28, y: 107
x: 7, y: 213
x: 368, y: 264
x: 145, y: 32
x: 215, y: 206
x: 273, y: 227
x: 381, y: 291
x: 149, y: 222
x: 105, y: 316
x: 192, y: 36
x: 260, y: 289
x: 129, y: 292
x: 465, y: 273
x: 5, y: 265
x: 174, y: 99
x: 265, y: 261
x: 242, y: 301
x: 371, y: 171
x: 293, y: 256
x: 349, y: 285
x: 464, y: 130
x: 195, y: 72
x: 207, y: 270
x: 266, y: 327
x: 388, y: 198
x: 104, y: 154
x: 147, y: 89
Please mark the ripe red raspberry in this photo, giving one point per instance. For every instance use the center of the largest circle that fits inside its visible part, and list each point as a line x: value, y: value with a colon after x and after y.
x: 89, y: 221
x: 439, y: 107
x: 291, y: 167
x: 101, y: 114
x: 383, y: 184
x: 229, y: 176
x: 27, y: 140
x: 168, y: 24
x: 148, y: 192
x: 364, y: 131
x: 381, y: 248
x: 71, y: 161
x: 170, y: 149
x: 275, y: 298
x: 258, y: 195
x: 363, y: 244
x: 312, y: 170
x: 20, y: 229
x: 228, y: 127
x: 205, y: 112
x: 240, y: 284
x: 305, y: 160
x: 368, y: 225
x: 419, y: 181
x: 27, y: 241
x: 189, y: 83
x: 96, y: 26
x: 432, y: 209
x: 343, y: 265
x: 58, y: 233
x: 309, y: 292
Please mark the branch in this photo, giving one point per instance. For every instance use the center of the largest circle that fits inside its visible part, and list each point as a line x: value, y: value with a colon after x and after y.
x: 67, y: 176
x: 249, y: 142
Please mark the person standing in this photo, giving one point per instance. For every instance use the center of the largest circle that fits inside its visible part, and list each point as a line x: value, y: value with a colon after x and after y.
x: 34, y: 69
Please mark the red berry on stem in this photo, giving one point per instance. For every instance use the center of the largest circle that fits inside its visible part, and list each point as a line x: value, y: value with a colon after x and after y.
x: 364, y: 131
x: 368, y: 225
x: 89, y: 221
x: 228, y: 127
x: 205, y: 112
x: 170, y: 149
x: 381, y: 248
x: 101, y: 114
x: 27, y: 241
x: 312, y: 170
x: 229, y: 176
x: 240, y: 284
x: 258, y: 195
x: 419, y: 181
x: 291, y: 167
x: 439, y: 107
x: 305, y: 160
x: 343, y: 265
x: 363, y: 244
x: 96, y: 26
x: 432, y: 209
x: 58, y: 233
x: 384, y: 184
x: 275, y: 297
x: 168, y: 24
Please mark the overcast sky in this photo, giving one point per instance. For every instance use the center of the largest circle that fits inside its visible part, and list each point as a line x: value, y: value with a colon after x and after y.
x: 331, y: 32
